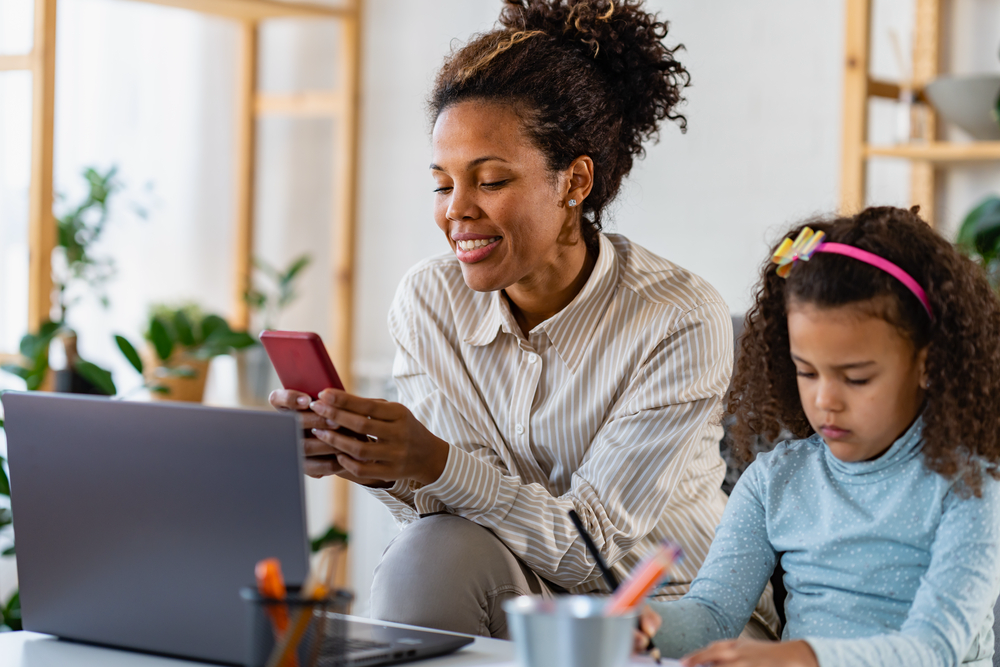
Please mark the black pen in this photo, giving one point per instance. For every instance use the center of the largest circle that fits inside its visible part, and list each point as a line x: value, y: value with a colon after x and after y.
x: 609, y: 576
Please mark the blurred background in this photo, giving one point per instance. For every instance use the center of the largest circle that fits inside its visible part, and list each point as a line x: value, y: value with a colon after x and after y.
x: 152, y: 91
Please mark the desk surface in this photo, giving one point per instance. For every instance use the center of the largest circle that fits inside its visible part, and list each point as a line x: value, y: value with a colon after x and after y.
x: 30, y: 649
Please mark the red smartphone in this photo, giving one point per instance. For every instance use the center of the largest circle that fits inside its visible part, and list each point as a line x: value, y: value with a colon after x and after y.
x: 302, y: 363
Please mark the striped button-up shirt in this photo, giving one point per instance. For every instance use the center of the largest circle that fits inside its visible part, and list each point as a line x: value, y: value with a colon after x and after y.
x: 610, y: 407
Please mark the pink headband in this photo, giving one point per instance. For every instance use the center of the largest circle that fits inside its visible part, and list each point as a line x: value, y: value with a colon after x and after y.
x: 809, y: 242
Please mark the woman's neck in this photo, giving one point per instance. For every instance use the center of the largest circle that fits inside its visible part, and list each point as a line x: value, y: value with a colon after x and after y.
x: 537, y: 298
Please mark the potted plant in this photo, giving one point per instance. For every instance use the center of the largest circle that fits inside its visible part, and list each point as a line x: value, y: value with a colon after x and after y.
x: 77, y: 273
x: 979, y: 237
x: 182, y: 342
x: 274, y: 290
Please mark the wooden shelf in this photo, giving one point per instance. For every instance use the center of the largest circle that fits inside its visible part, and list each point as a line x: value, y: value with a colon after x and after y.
x: 342, y: 103
x: 306, y: 104
x: 929, y: 156
x: 256, y: 10
x: 891, y: 90
x: 14, y: 63
x: 939, y: 152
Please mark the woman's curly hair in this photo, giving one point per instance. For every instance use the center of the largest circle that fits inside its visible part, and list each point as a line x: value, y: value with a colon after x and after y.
x: 586, y: 77
x: 962, y: 406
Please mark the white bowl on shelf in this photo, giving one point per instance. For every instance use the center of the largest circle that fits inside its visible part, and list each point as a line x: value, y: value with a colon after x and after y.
x: 969, y: 102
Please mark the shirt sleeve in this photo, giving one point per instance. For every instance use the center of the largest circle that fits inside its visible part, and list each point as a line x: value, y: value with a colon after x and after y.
x: 729, y: 583
x: 632, y: 466
x: 953, y: 601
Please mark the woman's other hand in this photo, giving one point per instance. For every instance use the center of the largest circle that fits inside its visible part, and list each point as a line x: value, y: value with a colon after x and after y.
x: 649, y: 623
x: 753, y: 653
x: 403, y: 448
x: 320, y: 459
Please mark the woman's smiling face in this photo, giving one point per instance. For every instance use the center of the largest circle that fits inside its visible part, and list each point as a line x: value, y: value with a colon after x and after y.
x: 496, y: 200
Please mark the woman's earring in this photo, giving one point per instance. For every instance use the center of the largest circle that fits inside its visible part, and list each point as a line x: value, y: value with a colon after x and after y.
x: 572, y: 203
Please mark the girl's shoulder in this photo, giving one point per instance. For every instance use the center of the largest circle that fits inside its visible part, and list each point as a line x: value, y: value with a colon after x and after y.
x: 797, y: 459
x: 791, y: 453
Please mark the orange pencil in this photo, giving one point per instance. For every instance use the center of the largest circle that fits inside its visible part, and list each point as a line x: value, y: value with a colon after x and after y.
x: 270, y: 584
x: 646, y: 575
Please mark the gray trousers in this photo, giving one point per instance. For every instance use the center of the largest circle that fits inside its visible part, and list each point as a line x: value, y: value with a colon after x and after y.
x: 447, y: 572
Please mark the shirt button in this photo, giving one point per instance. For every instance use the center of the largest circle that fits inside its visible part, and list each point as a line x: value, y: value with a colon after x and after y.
x: 519, y: 429
x: 532, y: 358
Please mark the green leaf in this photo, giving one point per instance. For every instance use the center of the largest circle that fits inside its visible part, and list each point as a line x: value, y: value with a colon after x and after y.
x: 297, y: 266
x: 23, y: 373
x: 159, y: 389
x: 97, y: 376
x: 268, y: 270
x: 129, y: 351
x: 34, y: 381
x: 32, y: 346
x: 226, y: 342
x: 980, y: 231
x: 49, y: 329
x: 332, y: 536
x: 9, y: 551
x: 255, y: 299
x: 4, y: 481
x: 212, y: 325
x: 185, y: 332
x: 5, y: 517
x: 996, y: 110
x: 12, y: 612
x: 163, y: 343
x: 180, y: 372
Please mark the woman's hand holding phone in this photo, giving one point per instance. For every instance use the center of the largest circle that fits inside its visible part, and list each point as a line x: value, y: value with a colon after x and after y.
x: 342, y: 424
x: 320, y: 458
x: 403, y: 447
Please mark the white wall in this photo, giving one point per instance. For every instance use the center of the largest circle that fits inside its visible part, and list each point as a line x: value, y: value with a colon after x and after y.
x: 151, y: 89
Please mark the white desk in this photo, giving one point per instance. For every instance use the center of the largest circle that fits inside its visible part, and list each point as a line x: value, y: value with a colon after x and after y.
x: 30, y: 649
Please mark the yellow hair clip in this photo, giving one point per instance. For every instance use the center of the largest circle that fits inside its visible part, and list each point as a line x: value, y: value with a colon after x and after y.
x: 802, y: 248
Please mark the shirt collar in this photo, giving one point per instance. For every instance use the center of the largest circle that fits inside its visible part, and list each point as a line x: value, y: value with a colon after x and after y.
x: 571, y: 329
x: 497, y: 318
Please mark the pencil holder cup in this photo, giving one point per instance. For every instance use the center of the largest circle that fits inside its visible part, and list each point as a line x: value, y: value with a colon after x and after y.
x: 313, y: 627
x: 569, y: 631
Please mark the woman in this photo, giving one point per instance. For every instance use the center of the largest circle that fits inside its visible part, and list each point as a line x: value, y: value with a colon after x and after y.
x: 543, y: 366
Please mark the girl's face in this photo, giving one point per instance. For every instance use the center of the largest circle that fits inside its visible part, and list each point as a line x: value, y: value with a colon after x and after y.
x: 861, y: 382
x: 502, y: 210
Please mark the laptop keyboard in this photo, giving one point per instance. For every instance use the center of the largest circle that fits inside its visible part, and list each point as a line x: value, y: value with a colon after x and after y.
x: 346, y: 644
x: 337, y: 651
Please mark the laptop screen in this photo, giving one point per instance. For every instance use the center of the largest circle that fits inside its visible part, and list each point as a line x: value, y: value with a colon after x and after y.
x: 138, y: 523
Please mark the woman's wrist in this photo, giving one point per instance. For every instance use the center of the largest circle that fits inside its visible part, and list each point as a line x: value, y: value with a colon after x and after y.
x: 435, y: 458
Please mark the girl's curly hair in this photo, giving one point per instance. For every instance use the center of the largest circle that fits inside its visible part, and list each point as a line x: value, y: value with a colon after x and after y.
x: 962, y: 407
x: 586, y: 77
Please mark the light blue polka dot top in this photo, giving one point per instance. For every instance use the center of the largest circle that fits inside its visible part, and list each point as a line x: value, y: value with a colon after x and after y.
x: 885, y: 563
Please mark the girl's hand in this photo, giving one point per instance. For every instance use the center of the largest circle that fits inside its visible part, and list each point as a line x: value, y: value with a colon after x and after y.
x: 649, y: 623
x: 403, y: 447
x: 753, y: 653
x: 319, y: 462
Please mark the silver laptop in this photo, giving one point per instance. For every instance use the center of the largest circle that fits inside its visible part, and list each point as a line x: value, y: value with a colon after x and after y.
x: 138, y: 523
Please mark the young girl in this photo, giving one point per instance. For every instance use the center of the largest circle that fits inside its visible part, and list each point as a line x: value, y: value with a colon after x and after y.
x: 878, y: 347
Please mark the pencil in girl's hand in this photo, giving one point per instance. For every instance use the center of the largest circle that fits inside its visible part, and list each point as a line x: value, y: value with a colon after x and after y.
x: 646, y: 575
